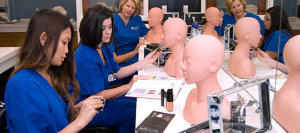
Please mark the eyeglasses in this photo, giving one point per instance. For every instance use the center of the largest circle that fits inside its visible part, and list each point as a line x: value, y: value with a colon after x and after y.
x: 267, y: 19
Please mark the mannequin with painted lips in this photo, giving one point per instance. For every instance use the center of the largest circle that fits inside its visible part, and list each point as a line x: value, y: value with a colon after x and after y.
x: 155, y: 17
x: 203, y: 57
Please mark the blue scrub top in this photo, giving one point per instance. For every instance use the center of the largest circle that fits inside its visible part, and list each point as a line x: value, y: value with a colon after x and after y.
x: 32, y: 104
x: 127, y: 37
x: 91, y: 74
x: 231, y: 20
x: 272, y: 41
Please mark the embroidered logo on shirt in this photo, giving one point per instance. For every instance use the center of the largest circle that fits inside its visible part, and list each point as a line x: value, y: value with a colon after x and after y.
x: 135, y: 28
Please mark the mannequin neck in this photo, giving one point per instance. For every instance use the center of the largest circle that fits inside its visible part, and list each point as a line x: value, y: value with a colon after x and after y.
x: 177, y: 48
x: 243, y: 48
x: 208, y: 86
x: 293, y: 78
x: 210, y: 28
x: 157, y: 28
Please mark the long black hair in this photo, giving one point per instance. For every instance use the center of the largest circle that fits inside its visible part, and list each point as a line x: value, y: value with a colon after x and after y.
x: 275, y: 23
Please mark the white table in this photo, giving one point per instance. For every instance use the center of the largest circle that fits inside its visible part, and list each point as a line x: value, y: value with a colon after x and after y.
x: 226, y: 80
x: 8, y: 57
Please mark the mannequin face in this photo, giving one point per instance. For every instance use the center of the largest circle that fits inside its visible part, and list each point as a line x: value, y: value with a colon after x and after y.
x: 237, y: 8
x: 153, y: 18
x: 128, y: 8
x: 216, y: 19
x: 254, y: 36
x: 195, y: 66
x: 168, y: 36
x: 174, y: 31
x: 267, y: 21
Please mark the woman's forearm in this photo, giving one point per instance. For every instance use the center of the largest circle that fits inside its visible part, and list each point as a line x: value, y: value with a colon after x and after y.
x: 73, y: 127
x: 110, y: 94
x: 125, y: 57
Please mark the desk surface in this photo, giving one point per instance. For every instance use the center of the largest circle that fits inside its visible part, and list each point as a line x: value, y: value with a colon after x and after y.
x: 8, y: 57
x: 226, y: 80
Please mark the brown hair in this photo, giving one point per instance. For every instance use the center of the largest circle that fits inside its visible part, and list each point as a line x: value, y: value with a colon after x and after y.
x: 137, y: 5
x: 228, y: 5
x: 34, y: 56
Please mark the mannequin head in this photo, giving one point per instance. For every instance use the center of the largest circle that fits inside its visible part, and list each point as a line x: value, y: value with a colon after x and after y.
x: 290, y: 51
x: 247, y: 29
x: 174, y: 31
x: 213, y: 16
x: 203, y: 56
x: 155, y: 16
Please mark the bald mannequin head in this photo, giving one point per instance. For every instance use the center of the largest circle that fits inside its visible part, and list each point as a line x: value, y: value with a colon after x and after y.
x: 155, y: 16
x: 203, y: 56
x: 213, y: 16
x: 248, y: 29
x: 290, y: 51
x: 174, y: 31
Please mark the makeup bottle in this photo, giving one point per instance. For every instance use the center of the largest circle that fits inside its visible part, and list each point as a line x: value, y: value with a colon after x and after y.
x: 169, y: 100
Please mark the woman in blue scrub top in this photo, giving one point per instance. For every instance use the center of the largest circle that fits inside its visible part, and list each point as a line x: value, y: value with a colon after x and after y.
x: 270, y: 42
x: 36, y: 96
x: 128, y: 27
x: 96, y: 67
x: 236, y: 11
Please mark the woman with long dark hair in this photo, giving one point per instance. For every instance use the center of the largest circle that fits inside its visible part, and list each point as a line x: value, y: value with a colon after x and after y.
x: 271, y: 40
x: 36, y: 96
x: 96, y: 68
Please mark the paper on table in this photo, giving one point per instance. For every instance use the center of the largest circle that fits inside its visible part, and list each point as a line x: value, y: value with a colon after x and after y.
x: 151, y: 88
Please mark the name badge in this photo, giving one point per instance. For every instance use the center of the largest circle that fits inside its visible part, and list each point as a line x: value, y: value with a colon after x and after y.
x: 112, y: 77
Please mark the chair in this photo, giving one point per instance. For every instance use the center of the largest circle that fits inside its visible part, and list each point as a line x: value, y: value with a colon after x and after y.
x: 100, y: 129
x: 3, y: 123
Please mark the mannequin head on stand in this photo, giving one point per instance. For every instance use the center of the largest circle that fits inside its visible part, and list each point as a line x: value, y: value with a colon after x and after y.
x: 174, y: 33
x: 285, y: 110
x: 247, y: 31
x: 155, y: 17
x: 213, y: 18
x: 203, y: 57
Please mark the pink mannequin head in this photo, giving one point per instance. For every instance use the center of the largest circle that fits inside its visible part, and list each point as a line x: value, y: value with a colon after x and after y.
x: 284, y: 110
x: 247, y: 30
x: 203, y: 57
x: 290, y: 51
x: 155, y: 16
x: 213, y: 16
x: 174, y: 31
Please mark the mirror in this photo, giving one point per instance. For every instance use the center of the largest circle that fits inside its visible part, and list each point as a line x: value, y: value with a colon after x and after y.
x: 257, y: 10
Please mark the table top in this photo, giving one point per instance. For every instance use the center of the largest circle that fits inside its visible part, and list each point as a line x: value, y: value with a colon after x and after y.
x: 226, y: 80
x: 7, y: 53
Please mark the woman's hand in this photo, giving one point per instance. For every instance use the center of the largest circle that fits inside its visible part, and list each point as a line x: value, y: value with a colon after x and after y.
x: 135, y: 78
x: 89, y: 108
x: 262, y: 56
x: 150, y: 58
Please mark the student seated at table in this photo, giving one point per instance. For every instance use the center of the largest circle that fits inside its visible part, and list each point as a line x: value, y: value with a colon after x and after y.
x: 36, y: 97
x: 96, y: 68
